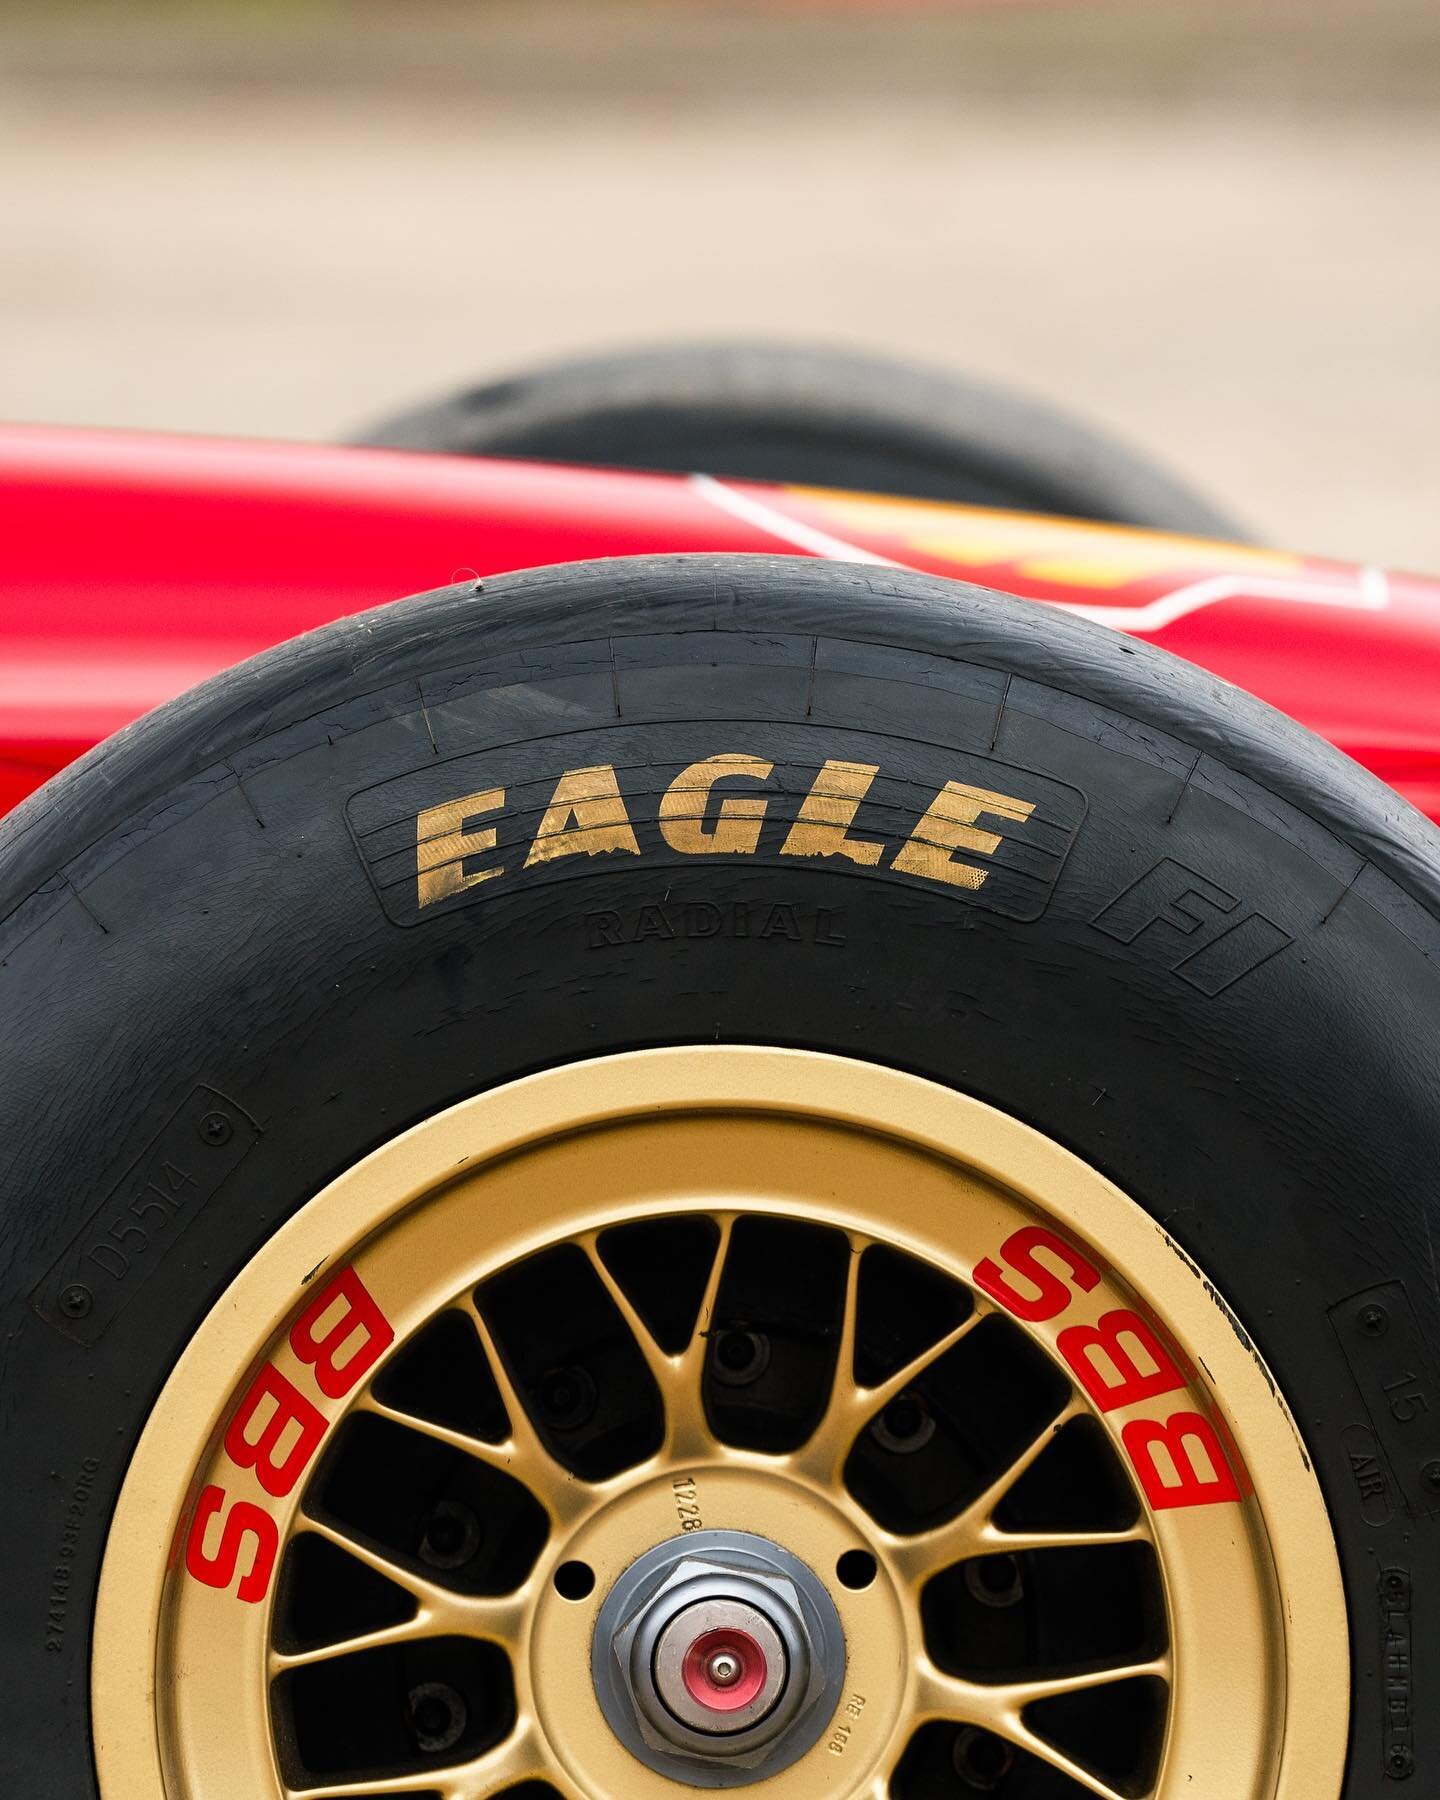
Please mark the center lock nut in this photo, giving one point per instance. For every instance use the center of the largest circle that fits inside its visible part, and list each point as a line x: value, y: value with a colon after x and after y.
x: 718, y: 1658
x: 720, y: 1666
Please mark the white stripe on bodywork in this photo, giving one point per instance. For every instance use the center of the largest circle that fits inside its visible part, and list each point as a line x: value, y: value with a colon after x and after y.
x: 778, y: 525
x: 1368, y: 590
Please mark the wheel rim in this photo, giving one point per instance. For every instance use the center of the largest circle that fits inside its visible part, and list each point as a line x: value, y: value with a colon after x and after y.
x: 683, y: 1293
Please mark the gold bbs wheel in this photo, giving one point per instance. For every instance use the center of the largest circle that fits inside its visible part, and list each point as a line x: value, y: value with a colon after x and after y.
x: 720, y: 1418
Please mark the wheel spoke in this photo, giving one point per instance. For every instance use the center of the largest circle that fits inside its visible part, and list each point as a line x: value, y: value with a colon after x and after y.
x: 993, y: 1542
x: 678, y: 1377
x: 850, y: 1408
x: 695, y: 1350
x: 511, y: 1456
x: 843, y: 1380
x: 422, y: 1624
x: 522, y: 1756
x: 1025, y: 1739
x: 666, y: 1371
x: 1000, y: 1709
x: 869, y: 1401
x: 427, y: 1782
x: 524, y: 1454
x: 1020, y: 1694
x: 973, y: 1531
x: 687, y: 1429
x: 497, y: 1617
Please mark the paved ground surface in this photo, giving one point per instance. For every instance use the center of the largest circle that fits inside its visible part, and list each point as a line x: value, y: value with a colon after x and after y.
x: 1209, y: 225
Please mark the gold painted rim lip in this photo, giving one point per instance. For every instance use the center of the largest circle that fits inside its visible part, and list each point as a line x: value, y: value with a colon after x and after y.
x: 1311, y: 1622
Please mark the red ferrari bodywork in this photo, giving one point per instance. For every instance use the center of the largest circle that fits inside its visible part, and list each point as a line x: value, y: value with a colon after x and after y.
x: 134, y: 567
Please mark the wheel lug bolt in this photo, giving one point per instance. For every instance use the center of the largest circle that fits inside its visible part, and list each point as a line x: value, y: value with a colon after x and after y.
x: 567, y: 1398
x: 981, y: 1760
x: 452, y: 1536
x: 995, y: 1580
x: 905, y: 1425
x: 437, y: 1716
x: 740, y: 1357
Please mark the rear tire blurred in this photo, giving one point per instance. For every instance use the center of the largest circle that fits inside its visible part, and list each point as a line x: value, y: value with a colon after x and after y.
x: 820, y: 417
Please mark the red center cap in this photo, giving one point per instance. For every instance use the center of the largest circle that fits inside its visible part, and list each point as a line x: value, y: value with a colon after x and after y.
x: 724, y: 1669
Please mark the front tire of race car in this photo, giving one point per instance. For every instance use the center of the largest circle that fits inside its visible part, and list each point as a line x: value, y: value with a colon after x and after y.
x: 718, y: 1172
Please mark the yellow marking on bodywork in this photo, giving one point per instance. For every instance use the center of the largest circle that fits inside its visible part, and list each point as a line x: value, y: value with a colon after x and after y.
x: 1069, y: 553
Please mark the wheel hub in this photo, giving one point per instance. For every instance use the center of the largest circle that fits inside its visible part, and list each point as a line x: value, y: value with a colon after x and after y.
x: 721, y: 1649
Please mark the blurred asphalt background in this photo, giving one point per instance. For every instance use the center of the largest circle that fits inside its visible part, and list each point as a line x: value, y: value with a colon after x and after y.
x: 1213, y: 226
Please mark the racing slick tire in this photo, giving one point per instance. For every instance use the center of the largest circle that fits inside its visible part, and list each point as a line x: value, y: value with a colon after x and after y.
x: 719, y: 1172
x: 818, y: 417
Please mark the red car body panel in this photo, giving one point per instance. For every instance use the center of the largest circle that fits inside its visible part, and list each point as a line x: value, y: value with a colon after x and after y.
x: 136, y: 566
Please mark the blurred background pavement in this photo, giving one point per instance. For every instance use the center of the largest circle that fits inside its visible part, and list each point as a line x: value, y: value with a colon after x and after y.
x: 1211, y: 226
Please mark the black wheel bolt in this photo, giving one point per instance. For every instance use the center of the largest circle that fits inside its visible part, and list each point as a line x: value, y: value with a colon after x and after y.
x: 445, y: 1534
x: 995, y: 1580
x: 216, y: 1129
x: 981, y: 1760
x: 905, y: 1425
x: 1374, y: 1321
x: 452, y: 1536
x: 1430, y: 1475
x: 740, y: 1356
x: 905, y: 1417
x: 437, y: 1716
x: 76, y: 1301
x: 567, y: 1398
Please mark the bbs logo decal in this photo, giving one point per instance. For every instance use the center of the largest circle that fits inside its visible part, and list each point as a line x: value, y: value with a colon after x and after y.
x: 458, y: 832
x: 1129, y: 1368
x: 273, y: 1431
